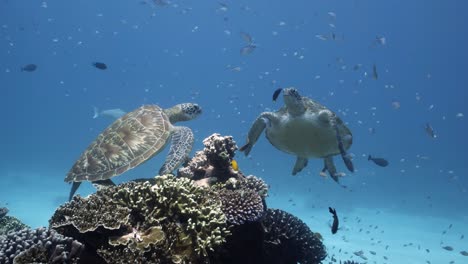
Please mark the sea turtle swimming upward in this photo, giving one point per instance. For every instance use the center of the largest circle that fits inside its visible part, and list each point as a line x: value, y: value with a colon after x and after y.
x: 133, y: 139
x: 303, y: 128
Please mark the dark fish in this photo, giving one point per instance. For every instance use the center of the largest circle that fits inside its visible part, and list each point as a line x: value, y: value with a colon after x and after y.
x: 276, y: 93
x: 247, y: 49
x: 464, y: 253
x: 375, y: 75
x: 100, y: 65
x: 379, y: 161
x: 29, y: 67
x: 335, y: 224
x: 448, y: 248
x: 430, y: 130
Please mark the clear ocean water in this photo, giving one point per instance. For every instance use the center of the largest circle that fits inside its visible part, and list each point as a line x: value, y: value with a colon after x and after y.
x: 169, y: 52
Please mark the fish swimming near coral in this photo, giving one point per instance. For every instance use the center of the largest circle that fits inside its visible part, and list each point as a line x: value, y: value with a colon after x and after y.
x: 113, y: 113
x: 378, y: 161
x: 234, y: 165
x: 336, y: 222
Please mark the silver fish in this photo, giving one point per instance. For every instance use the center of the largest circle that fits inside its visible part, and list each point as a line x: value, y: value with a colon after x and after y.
x: 113, y: 113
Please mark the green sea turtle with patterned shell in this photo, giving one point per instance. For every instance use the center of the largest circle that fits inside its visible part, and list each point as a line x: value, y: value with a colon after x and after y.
x: 306, y: 129
x: 133, y: 139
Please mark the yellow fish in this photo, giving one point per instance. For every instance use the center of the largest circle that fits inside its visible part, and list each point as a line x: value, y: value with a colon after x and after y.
x: 234, y: 165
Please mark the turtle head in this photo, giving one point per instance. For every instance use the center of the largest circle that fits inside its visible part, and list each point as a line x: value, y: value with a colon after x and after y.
x: 183, y: 112
x: 293, y: 101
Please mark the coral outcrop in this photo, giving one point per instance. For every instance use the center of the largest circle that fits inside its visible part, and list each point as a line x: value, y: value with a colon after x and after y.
x: 287, y: 237
x: 213, y: 163
x: 173, y: 218
x: 39, y: 246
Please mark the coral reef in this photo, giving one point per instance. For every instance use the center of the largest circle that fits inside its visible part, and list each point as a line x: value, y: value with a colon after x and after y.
x: 173, y: 219
x: 39, y: 246
x: 286, y: 236
x: 9, y: 223
x: 211, y: 213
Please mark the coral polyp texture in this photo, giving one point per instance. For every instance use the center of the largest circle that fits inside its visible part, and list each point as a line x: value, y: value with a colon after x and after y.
x: 172, y: 219
x: 241, y: 205
x: 39, y: 246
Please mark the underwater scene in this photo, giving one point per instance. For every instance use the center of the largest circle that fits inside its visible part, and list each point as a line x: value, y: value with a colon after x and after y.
x: 263, y: 131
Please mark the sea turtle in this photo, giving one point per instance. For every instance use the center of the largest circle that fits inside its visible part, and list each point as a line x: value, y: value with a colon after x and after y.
x: 303, y: 128
x: 133, y: 139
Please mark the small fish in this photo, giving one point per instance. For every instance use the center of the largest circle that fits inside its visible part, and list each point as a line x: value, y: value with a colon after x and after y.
x: 248, y: 49
x: 375, y: 75
x: 246, y: 37
x: 379, y: 161
x: 396, y: 104
x: 276, y: 93
x: 100, y: 65
x: 464, y: 253
x: 114, y: 113
x: 380, y: 40
x: 357, y: 67
x: 430, y: 130
x: 29, y: 68
x: 160, y: 2
x: 462, y: 236
x: 448, y: 248
x: 321, y: 37
x: 234, y: 165
x: 335, y: 224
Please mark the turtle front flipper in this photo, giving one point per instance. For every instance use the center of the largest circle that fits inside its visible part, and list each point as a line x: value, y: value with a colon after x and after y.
x: 301, y: 163
x: 255, y: 131
x: 181, y: 145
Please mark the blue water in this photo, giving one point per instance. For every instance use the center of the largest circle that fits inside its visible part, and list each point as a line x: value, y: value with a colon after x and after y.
x: 185, y: 52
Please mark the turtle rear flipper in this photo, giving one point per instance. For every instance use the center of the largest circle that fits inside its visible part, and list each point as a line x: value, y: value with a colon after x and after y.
x: 330, y: 167
x: 346, y: 158
x: 301, y: 163
x: 181, y: 145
